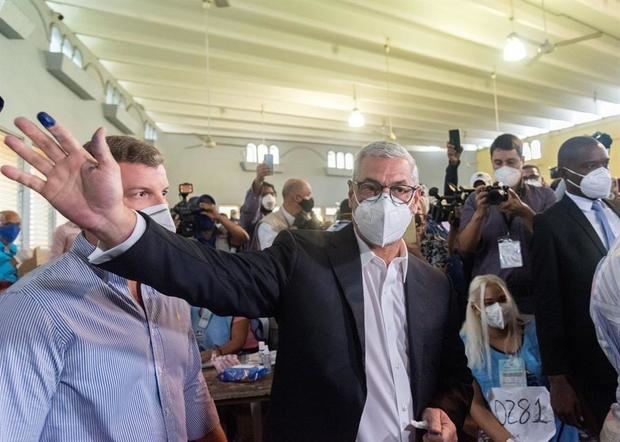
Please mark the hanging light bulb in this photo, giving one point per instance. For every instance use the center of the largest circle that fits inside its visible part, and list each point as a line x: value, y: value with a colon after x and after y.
x: 356, y: 119
x: 514, y: 49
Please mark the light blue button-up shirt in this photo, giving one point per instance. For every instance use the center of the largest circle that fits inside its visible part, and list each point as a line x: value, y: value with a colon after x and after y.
x: 80, y: 360
x: 605, y: 310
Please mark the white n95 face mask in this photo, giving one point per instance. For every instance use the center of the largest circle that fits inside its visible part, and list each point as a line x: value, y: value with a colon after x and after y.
x: 596, y: 184
x: 497, y: 315
x: 268, y: 202
x: 381, y: 221
x: 508, y: 176
x: 160, y: 213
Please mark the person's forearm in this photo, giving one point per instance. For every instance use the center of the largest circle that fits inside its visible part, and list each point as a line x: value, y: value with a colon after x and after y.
x: 114, y: 233
x: 469, y: 238
x: 238, y: 235
x: 489, y: 424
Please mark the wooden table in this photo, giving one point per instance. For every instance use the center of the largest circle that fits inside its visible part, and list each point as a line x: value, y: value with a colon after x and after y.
x: 235, y: 393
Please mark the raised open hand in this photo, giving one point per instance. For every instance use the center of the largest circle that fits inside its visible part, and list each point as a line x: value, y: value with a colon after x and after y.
x: 85, y: 187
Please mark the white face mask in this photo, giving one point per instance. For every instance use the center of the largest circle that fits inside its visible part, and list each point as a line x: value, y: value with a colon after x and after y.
x: 508, y: 176
x: 536, y: 182
x: 596, y: 184
x: 160, y: 213
x: 497, y: 315
x: 381, y: 222
x: 268, y: 202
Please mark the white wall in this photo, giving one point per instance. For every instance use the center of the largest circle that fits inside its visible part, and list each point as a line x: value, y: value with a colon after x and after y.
x: 218, y: 172
x: 27, y: 87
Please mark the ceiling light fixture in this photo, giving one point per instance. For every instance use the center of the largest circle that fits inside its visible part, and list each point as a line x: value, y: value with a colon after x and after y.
x: 514, y: 49
x: 356, y: 119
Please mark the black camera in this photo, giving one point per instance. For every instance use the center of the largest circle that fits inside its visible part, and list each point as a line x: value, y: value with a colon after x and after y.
x: 446, y: 207
x: 496, y: 194
x: 184, y: 211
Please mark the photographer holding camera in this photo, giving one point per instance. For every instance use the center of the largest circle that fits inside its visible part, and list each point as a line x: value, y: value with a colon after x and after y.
x: 497, y: 221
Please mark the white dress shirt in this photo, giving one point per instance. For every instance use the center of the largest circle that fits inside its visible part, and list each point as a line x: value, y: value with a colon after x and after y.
x: 389, y: 404
x: 267, y: 234
x: 585, y: 205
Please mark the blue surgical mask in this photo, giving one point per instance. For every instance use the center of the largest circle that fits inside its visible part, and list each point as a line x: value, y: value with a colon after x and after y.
x: 8, y: 232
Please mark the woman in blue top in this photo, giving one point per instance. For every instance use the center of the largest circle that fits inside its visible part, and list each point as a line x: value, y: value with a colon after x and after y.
x: 9, y: 229
x: 493, y: 334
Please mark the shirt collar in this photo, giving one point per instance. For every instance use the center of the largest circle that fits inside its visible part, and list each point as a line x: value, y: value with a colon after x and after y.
x: 585, y: 204
x: 367, y: 255
x: 290, y: 219
x: 82, y: 248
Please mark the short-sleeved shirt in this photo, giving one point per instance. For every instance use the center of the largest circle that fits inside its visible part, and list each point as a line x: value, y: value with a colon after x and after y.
x: 81, y: 360
x: 8, y: 272
x: 497, y: 225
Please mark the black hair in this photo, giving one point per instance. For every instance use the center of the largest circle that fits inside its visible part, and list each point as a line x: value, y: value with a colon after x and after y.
x: 507, y: 142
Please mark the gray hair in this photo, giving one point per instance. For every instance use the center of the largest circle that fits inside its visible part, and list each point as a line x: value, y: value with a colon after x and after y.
x: 386, y: 149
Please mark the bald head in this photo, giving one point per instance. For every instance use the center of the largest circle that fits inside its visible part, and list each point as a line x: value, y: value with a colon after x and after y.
x: 574, y: 150
x: 295, y: 186
x: 9, y: 217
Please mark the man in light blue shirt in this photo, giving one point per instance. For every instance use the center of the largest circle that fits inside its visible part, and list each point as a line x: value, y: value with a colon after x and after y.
x: 87, y: 355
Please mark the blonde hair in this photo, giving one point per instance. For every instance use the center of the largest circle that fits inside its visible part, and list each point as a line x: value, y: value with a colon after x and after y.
x: 477, y: 347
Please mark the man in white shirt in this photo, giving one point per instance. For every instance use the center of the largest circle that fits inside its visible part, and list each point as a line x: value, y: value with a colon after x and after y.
x: 570, y: 238
x: 296, y: 207
x: 368, y: 334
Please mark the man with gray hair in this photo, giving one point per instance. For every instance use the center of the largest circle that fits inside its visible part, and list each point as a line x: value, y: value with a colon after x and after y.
x: 368, y: 334
x: 296, y: 212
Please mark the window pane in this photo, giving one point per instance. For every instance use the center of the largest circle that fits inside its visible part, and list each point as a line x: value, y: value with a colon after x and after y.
x: 250, y: 153
x: 109, y: 93
x: 262, y: 150
x: 527, y: 153
x: 536, y: 150
x: 55, y: 39
x: 67, y: 48
x: 331, y: 159
x: 340, y: 160
x: 348, y: 161
x: 273, y: 150
x: 8, y: 188
x: 77, y: 58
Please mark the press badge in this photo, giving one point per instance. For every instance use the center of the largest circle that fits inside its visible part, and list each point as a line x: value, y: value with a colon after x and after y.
x: 509, y: 253
x: 512, y: 372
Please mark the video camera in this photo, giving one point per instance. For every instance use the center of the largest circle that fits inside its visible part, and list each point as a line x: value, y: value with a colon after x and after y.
x: 184, y: 211
x: 445, y: 207
x: 496, y: 194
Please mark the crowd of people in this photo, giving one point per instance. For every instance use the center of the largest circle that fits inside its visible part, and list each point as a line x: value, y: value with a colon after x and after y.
x: 388, y: 317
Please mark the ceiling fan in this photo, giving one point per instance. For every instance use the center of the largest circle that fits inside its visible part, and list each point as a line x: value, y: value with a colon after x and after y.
x: 206, y: 141
x: 547, y: 47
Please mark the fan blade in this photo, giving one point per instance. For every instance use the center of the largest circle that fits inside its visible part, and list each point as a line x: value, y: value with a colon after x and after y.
x: 578, y: 39
x: 535, y: 58
x: 194, y: 146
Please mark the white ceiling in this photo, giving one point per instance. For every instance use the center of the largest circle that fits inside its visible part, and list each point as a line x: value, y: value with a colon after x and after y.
x: 300, y: 59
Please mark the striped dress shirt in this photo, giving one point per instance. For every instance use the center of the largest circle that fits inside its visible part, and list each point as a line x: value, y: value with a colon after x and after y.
x: 80, y: 360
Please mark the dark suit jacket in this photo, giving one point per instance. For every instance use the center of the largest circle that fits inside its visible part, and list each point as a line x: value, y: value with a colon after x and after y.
x: 311, y: 282
x: 565, y: 253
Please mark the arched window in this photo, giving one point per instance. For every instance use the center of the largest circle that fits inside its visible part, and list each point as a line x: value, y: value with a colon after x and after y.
x: 348, y: 161
x: 251, y: 155
x: 77, y: 58
x: 262, y: 150
x: 116, y: 96
x: 535, y: 149
x: 150, y: 133
x: 273, y: 150
x: 109, y: 93
x: 55, y: 39
x: 527, y: 152
x: 340, y: 160
x: 67, y: 47
x: 331, y: 159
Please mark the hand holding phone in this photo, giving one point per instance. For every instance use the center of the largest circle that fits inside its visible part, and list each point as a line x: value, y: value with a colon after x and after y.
x: 455, y: 140
x: 268, y: 160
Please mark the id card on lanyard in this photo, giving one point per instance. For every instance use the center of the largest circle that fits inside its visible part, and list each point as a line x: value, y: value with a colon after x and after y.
x: 510, y: 255
x: 205, y: 317
x: 512, y: 372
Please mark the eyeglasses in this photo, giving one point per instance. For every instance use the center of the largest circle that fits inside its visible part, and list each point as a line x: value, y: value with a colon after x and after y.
x: 399, y: 194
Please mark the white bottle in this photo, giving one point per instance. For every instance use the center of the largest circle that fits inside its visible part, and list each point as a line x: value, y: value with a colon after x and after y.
x: 265, y: 356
